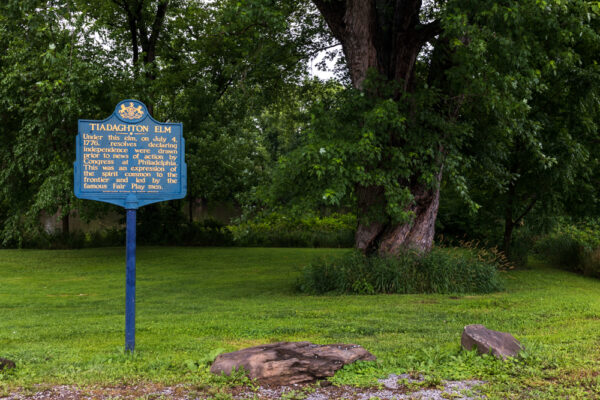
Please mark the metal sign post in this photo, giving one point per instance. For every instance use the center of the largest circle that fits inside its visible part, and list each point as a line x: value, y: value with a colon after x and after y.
x: 130, y: 283
x: 131, y: 160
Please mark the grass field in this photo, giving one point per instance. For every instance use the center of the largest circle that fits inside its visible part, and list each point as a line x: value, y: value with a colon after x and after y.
x: 62, y: 321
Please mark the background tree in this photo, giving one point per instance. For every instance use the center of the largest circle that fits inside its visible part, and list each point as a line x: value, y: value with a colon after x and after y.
x: 214, y: 66
x: 225, y: 64
x: 544, y: 162
x: 51, y: 73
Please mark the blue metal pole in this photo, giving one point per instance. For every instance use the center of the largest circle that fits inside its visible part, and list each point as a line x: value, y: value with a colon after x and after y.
x: 130, y: 280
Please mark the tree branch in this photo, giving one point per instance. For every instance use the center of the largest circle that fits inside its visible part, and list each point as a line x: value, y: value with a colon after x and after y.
x: 406, y: 14
x: 317, y: 51
x: 141, y: 24
x: 527, y: 210
x: 333, y: 11
x: 429, y: 31
x: 161, y: 11
x: 131, y: 21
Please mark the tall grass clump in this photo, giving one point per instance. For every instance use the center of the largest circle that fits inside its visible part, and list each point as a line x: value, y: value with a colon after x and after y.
x: 440, y: 271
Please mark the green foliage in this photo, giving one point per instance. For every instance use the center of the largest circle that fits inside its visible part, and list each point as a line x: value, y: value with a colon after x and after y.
x: 522, y: 246
x: 71, y: 240
x: 215, y: 67
x: 517, y: 110
x: 224, y: 64
x: 534, y: 154
x: 562, y: 250
x: 208, y: 232
x: 74, y: 240
x: 440, y: 271
x: 574, y: 247
x: 166, y: 224
x: 49, y: 77
x: 284, y: 230
x: 346, y: 144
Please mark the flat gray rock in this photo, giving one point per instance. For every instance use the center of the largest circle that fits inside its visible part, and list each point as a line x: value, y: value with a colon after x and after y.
x: 501, y: 344
x: 6, y: 364
x: 289, y: 363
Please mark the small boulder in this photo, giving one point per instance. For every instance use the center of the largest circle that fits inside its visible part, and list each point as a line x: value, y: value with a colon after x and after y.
x: 288, y: 363
x: 501, y: 344
x: 6, y: 364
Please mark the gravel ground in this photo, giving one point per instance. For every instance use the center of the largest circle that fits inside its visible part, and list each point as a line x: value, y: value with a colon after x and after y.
x: 388, y: 390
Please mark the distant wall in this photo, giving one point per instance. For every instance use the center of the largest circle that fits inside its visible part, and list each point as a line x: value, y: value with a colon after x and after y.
x: 221, y: 211
x: 53, y: 223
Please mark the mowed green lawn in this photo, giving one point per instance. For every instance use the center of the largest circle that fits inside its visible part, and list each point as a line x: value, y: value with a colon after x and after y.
x: 62, y: 320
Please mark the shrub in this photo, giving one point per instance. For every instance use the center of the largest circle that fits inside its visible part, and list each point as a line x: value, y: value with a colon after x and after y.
x: 440, y: 271
x: 203, y: 233
x: 74, y: 240
x: 279, y: 230
x: 489, y: 255
x: 561, y: 250
x: 591, y: 262
x: 208, y: 232
x: 106, y: 238
x: 521, y: 246
x: 54, y: 241
x: 573, y: 247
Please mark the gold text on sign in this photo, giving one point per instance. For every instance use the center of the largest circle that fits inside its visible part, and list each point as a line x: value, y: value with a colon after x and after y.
x: 119, y: 128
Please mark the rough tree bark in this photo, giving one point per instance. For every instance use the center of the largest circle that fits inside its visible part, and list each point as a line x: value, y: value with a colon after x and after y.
x: 386, y: 36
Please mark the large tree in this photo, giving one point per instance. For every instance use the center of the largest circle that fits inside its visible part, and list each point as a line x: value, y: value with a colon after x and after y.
x: 386, y: 37
x: 224, y: 64
x: 428, y: 73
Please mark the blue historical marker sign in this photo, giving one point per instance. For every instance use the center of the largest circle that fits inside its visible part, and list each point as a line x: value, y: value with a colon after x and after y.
x: 130, y: 160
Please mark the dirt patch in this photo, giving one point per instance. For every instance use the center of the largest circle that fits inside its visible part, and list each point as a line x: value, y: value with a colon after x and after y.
x: 395, y: 387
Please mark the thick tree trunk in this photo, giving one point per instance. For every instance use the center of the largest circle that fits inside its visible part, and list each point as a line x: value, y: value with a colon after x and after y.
x: 417, y: 234
x: 386, y: 36
x: 369, y: 228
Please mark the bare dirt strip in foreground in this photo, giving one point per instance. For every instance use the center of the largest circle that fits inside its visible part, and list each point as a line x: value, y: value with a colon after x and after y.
x: 388, y: 389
